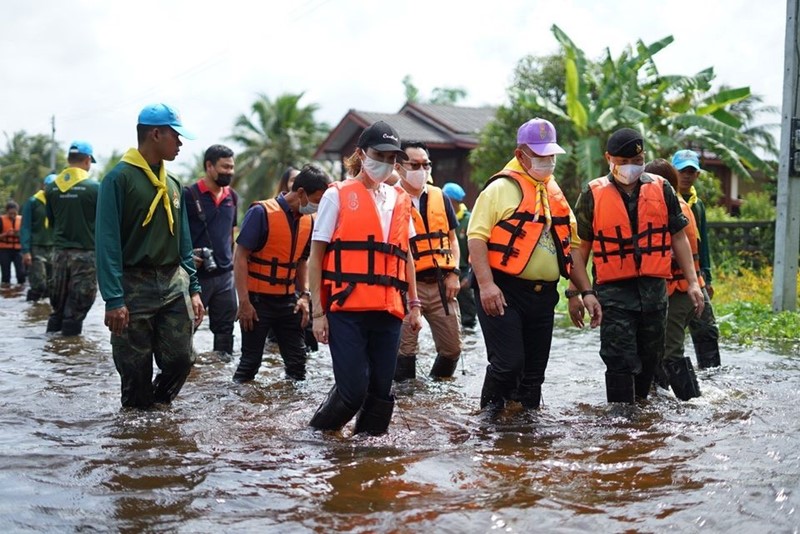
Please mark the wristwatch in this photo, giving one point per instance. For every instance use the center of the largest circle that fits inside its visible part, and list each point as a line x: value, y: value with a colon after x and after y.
x: 456, y: 271
x: 569, y: 293
x: 305, y: 293
x: 589, y: 292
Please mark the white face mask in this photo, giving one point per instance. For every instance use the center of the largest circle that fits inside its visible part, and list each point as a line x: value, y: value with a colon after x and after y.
x: 416, y: 179
x: 377, y: 171
x: 541, y: 166
x: 627, y: 174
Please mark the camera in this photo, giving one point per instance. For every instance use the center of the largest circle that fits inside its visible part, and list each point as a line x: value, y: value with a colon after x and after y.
x: 209, y: 263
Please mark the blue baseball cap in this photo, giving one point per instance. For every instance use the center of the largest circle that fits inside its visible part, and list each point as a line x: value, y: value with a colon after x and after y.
x: 82, y: 147
x: 163, y: 115
x: 49, y: 179
x: 454, y: 191
x: 685, y: 158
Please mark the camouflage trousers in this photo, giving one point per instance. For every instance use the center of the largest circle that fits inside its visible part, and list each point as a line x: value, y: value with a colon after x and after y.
x: 73, y: 290
x: 632, y: 343
x: 160, y: 327
x: 40, y: 272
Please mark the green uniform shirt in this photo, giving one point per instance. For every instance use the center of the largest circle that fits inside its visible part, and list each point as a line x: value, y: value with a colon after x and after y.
x: 33, y: 231
x: 704, y: 251
x: 72, y: 214
x: 644, y: 293
x: 122, y: 242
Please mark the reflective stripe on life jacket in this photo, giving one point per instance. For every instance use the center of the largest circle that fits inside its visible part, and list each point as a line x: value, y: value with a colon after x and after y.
x: 678, y: 281
x: 513, y: 240
x: 361, y: 272
x: 618, y: 254
x: 11, y: 241
x: 431, y: 246
x: 272, y: 270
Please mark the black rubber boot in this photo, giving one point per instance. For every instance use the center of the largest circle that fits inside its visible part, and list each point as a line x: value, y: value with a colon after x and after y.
x: 619, y: 387
x: 707, y: 354
x: 33, y: 296
x: 529, y: 396
x: 682, y: 378
x: 660, y: 377
x: 375, y: 416
x: 406, y: 368
x: 53, y: 324
x: 223, y: 346
x: 333, y: 413
x: 71, y: 328
x: 443, y: 367
x: 492, y: 393
x: 247, y: 368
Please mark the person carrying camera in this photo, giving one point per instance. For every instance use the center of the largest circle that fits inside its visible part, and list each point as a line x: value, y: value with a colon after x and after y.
x: 211, y: 207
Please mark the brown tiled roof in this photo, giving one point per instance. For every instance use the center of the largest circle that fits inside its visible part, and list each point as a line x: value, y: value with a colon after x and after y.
x: 436, y: 125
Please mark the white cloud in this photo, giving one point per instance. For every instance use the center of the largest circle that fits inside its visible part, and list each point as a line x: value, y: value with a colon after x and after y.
x: 94, y: 64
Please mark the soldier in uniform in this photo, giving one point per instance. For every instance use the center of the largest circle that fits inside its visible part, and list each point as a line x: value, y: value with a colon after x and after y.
x: 632, y: 224
x: 71, y: 206
x: 36, y: 237
x: 146, y: 273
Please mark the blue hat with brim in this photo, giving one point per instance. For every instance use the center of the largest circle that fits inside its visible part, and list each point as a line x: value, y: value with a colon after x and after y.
x: 164, y: 115
x: 49, y: 179
x: 685, y: 158
x: 82, y: 147
x: 454, y: 191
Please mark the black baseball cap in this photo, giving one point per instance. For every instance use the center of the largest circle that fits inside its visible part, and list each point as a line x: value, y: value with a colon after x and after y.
x: 382, y: 137
x: 625, y: 143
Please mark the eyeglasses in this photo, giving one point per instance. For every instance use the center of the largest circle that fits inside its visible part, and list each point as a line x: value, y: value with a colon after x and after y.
x: 417, y: 166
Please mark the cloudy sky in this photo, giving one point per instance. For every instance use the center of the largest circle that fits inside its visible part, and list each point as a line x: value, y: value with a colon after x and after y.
x: 94, y: 64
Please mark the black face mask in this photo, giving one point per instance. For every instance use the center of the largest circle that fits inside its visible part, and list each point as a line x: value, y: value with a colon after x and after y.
x: 223, y: 179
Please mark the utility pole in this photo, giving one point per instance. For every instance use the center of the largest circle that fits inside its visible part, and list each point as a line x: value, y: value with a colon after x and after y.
x: 787, y: 224
x: 53, y: 143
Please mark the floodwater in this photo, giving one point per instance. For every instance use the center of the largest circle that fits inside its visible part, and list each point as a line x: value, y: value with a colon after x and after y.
x: 241, y: 458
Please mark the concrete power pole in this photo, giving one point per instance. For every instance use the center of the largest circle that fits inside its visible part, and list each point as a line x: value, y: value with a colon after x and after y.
x: 53, y: 143
x: 787, y: 224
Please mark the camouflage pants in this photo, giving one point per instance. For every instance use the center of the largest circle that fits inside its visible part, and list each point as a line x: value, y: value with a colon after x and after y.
x: 40, y: 272
x: 632, y: 343
x: 73, y: 290
x: 160, y: 327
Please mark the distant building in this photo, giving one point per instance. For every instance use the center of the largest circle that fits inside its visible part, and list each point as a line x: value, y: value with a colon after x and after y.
x: 449, y: 131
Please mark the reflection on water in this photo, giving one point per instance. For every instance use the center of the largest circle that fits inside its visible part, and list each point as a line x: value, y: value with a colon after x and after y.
x: 240, y: 457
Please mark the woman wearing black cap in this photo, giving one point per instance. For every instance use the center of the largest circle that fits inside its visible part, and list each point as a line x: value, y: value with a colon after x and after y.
x: 632, y: 224
x: 360, y: 271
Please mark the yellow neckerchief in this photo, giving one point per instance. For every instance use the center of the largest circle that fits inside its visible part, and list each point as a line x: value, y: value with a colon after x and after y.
x: 692, y: 197
x: 69, y: 177
x: 541, y: 191
x: 462, y: 210
x: 135, y: 158
x: 39, y: 195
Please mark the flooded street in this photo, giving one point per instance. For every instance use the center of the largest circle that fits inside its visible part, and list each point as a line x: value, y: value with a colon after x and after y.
x: 241, y: 458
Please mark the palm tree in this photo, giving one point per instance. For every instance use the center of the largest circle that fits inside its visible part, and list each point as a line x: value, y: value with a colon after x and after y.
x: 24, y: 163
x: 275, y: 135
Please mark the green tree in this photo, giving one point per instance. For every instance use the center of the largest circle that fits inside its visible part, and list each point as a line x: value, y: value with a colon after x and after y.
x: 598, y: 97
x: 104, y: 165
x: 24, y: 163
x: 443, y: 96
x: 275, y: 135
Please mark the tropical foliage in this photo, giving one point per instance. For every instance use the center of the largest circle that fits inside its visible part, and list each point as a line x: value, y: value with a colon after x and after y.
x: 445, y: 96
x: 274, y: 135
x: 587, y: 100
x: 24, y: 162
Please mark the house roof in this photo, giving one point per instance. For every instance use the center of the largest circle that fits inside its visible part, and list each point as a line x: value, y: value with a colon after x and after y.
x: 437, y: 126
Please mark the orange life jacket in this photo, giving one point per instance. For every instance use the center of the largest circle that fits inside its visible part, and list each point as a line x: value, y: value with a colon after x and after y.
x: 431, y: 246
x: 272, y: 270
x: 11, y: 241
x: 361, y: 272
x: 678, y: 281
x: 513, y: 240
x: 618, y: 252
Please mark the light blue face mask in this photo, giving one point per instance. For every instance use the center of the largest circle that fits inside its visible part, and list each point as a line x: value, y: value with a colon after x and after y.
x: 309, y: 208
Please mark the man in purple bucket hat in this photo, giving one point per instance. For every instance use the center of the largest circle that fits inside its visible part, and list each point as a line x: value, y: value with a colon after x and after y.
x: 520, y: 238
